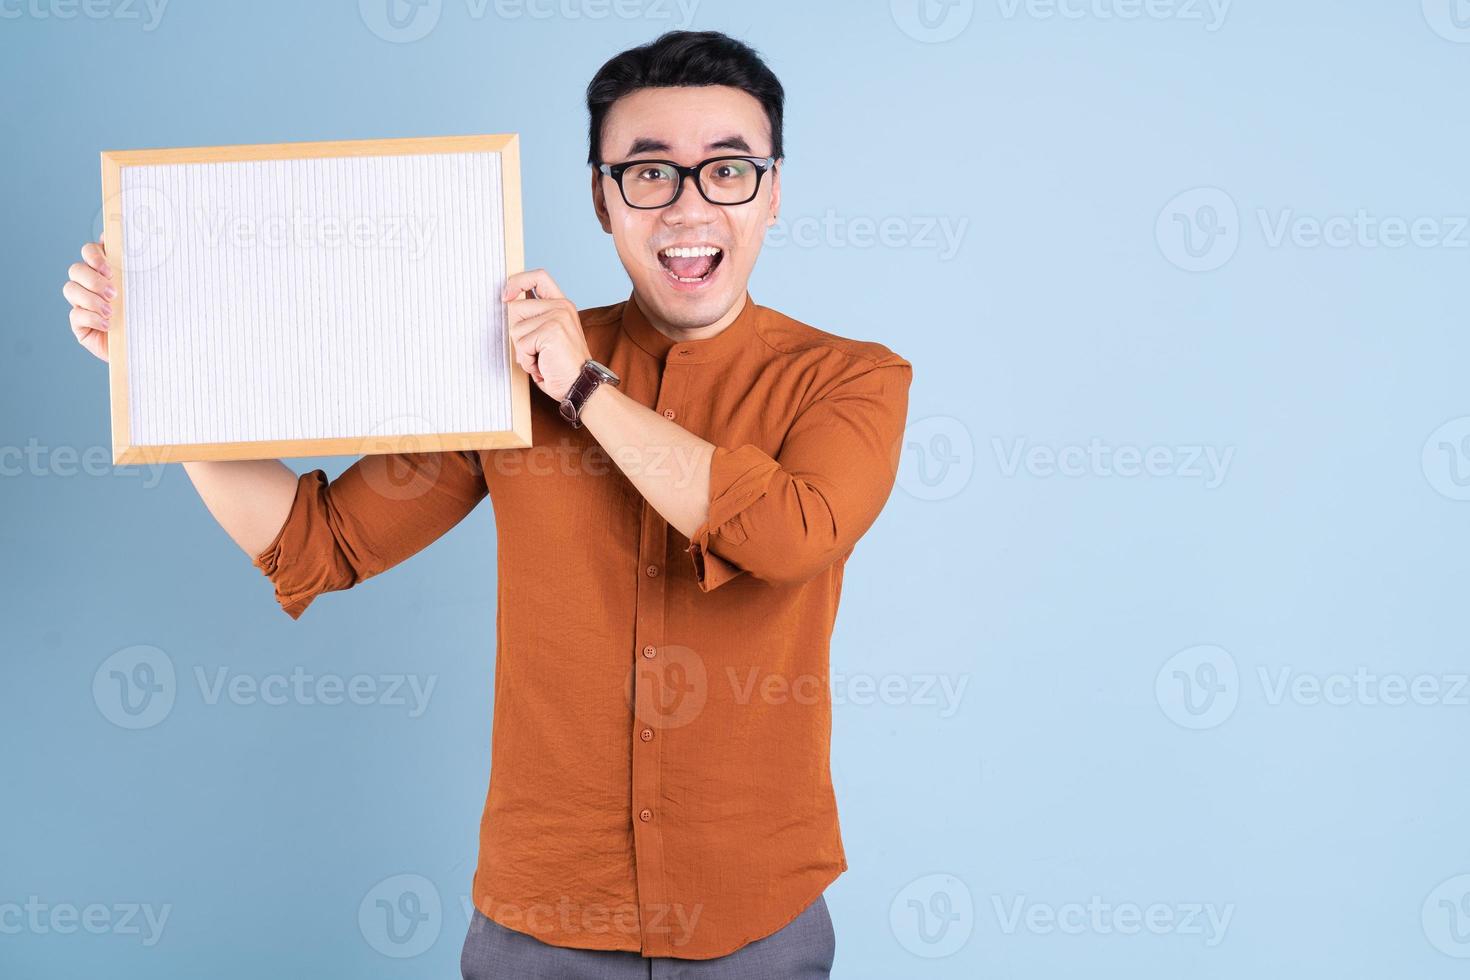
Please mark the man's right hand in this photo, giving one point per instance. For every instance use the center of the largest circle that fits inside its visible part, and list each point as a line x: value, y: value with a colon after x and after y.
x: 90, y: 292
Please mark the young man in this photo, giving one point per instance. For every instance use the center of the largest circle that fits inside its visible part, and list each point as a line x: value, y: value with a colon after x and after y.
x: 670, y: 553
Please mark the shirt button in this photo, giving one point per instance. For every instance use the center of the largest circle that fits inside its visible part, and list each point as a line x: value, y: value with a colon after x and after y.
x: 684, y: 352
x: 652, y: 570
x: 649, y: 651
x: 645, y: 815
x: 646, y: 734
x: 668, y: 413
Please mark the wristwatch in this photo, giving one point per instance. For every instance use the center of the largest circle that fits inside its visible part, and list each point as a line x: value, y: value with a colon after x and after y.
x: 593, y: 374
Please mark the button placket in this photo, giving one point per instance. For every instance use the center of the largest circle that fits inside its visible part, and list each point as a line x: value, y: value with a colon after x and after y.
x: 647, y: 666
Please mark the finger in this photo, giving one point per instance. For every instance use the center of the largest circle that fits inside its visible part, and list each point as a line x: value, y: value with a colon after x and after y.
x: 91, y: 280
x: 533, y: 325
x: 95, y: 255
x: 532, y: 335
x: 87, y: 320
x: 93, y: 340
x: 519, y: 310
x: 86, y: 299
x: 537, y: 279
x: 528, y: 345
x: 526, y: 358
x: 528, y: 364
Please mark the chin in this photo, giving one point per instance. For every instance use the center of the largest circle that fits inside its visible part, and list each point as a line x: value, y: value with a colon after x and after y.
x: 691, y: 311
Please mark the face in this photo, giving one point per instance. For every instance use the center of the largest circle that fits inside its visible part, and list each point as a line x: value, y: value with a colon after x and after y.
x: 687, y: 124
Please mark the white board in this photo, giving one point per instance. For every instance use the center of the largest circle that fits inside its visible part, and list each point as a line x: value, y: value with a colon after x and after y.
x: 315, y: 303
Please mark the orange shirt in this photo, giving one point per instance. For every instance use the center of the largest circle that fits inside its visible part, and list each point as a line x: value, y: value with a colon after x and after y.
x: 660, y: 777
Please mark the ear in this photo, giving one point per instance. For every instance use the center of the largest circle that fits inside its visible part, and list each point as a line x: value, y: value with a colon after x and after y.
x: 599, y: 202
x: 775, y: 193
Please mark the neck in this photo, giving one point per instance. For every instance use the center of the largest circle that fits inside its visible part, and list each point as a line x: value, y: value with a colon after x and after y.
x: 677, y: 334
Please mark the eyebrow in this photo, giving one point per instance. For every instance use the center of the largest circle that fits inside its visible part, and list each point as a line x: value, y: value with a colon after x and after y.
x: 647, y: 144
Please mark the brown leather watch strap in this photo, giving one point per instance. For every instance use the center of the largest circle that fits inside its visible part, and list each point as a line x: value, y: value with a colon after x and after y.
x: 592, y: 375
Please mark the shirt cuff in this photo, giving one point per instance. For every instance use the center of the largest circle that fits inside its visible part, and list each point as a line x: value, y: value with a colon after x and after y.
x: 737, y: 479
x: 270, y: 561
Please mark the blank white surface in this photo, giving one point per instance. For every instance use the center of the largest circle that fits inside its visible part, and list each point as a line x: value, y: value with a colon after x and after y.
x: 315, y: 298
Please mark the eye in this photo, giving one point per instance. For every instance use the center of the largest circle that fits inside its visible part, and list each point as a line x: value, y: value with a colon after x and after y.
x: 730, y: 170
x: 652, y: 174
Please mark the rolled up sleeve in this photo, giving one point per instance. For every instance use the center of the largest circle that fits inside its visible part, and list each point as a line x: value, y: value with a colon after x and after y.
x: 379, y: 511
x: 784, y: 520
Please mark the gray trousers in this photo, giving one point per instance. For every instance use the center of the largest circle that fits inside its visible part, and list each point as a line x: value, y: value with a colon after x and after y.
x: 801, y: 950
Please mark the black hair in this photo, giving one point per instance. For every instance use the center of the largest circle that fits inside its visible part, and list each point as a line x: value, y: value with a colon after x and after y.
x: 683, y: 58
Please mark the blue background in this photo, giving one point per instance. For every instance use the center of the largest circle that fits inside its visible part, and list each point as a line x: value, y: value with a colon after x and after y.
x: 1120, y: 639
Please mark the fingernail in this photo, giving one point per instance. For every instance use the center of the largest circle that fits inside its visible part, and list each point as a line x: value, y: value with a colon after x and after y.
x: 110, y: 292
x: 107, y: 309
x: 106, y: 270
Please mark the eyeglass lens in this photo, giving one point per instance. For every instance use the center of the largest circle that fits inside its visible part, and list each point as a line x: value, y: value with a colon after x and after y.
x: 652, y: 185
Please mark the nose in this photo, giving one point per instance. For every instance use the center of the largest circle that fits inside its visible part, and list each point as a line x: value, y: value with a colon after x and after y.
x: 691, y: 208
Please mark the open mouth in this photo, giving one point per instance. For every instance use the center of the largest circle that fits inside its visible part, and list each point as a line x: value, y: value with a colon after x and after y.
x: 690, y: 264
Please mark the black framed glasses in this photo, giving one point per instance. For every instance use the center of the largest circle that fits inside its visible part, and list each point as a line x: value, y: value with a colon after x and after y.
x: 649, y: 184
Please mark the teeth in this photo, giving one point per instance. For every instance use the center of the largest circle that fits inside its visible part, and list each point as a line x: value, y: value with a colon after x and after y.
x: 693, y: 252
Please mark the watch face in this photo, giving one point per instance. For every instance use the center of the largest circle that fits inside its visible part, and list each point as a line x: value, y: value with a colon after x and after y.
x: 604, y: 370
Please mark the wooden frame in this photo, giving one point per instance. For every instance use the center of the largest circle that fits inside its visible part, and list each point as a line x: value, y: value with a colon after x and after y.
x: 125, y: 452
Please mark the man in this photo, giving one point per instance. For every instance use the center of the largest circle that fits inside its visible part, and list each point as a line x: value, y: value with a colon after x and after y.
x: 670, y: 549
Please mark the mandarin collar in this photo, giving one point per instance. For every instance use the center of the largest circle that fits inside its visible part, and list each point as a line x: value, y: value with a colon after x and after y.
x: 738, y: 334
